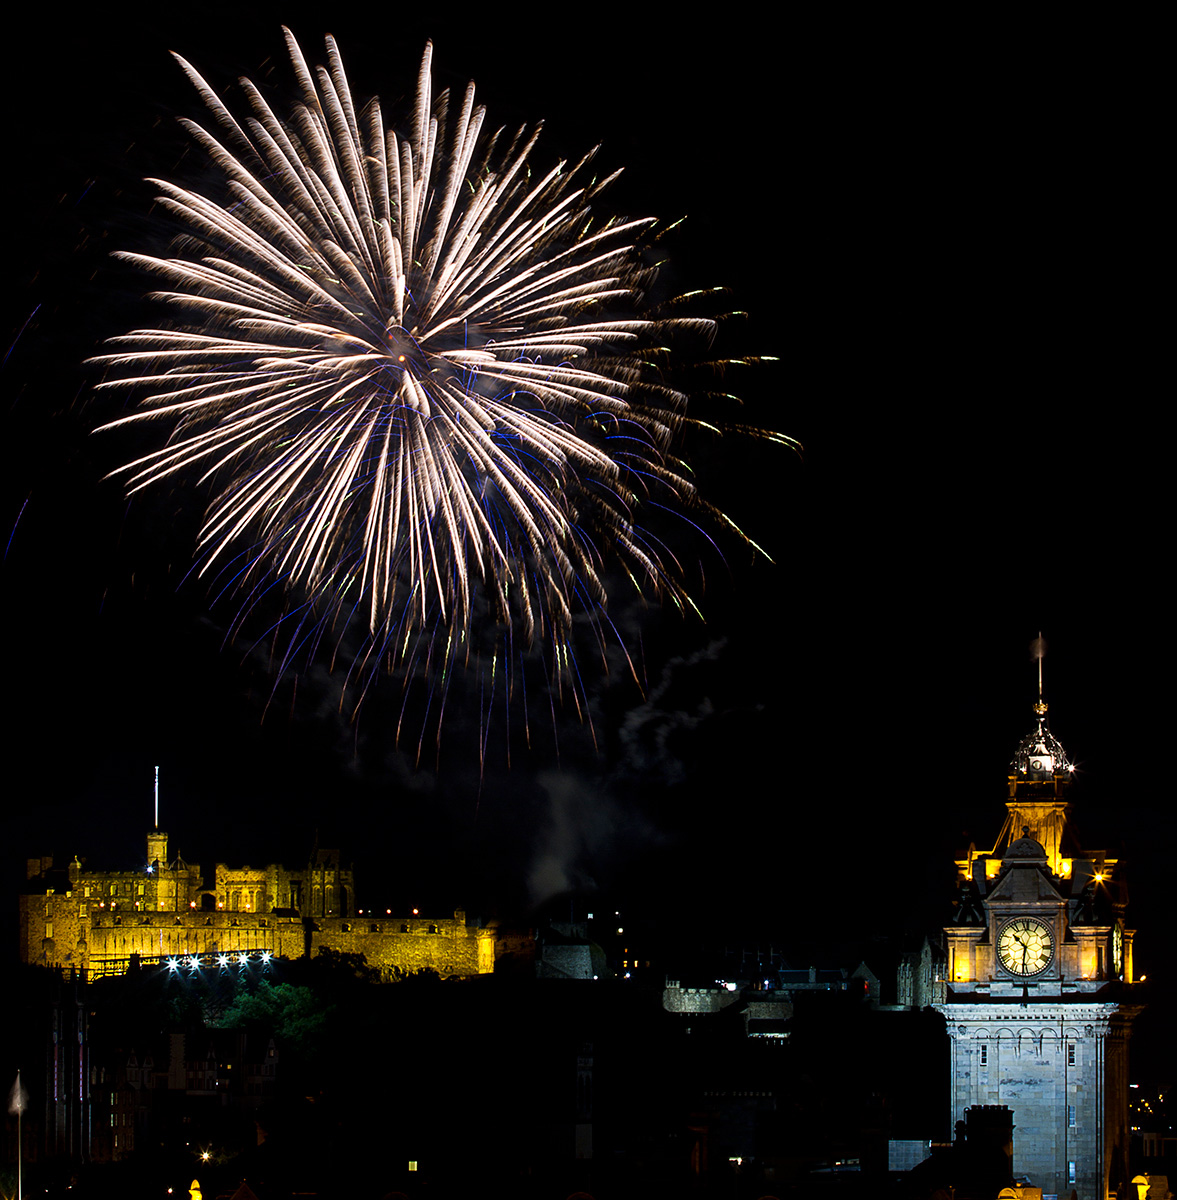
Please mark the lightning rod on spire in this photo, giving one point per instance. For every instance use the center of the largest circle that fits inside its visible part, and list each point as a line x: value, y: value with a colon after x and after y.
x: 1038, y: 651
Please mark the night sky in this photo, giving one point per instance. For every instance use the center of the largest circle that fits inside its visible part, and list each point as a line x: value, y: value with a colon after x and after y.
x: 945, y: 239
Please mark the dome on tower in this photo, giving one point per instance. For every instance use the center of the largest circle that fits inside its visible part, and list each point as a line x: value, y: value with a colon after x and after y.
x: 1040, y: 754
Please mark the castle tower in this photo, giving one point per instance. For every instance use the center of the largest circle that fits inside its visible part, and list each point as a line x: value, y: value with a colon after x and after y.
x: 1040, y: 986
x: 157, y: 851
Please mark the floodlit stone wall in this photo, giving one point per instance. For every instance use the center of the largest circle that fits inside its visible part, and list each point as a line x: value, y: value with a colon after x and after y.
x: 403, y: 945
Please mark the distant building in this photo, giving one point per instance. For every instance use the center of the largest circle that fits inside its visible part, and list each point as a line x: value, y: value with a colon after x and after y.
x: 920, y: 978
x: 95, y: 921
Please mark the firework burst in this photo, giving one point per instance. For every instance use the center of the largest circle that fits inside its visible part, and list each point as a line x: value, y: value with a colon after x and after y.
x: 414, y: 375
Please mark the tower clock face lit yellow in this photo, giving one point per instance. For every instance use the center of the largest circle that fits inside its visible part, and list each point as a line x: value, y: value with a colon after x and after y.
x: 1025, y: 946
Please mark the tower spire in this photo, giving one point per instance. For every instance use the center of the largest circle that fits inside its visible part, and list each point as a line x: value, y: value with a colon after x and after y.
x: 1038, y: 651
x: 1040, y: 755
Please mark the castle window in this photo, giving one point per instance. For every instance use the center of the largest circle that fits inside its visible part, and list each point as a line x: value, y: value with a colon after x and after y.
x: 433, y: 929
x: 404, y: 929
x: 1070, y: 1054
x: 1071, y: 1171
x: 48, y: 929
x: 345, y: 927
x: 375, y: 928
x: 984, y: 1054
x: 1071, y: 1116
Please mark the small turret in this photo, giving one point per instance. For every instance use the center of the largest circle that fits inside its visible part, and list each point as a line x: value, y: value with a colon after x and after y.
x: 157, y: 851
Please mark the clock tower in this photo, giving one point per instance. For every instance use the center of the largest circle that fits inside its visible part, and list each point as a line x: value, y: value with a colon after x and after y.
x: 1040, y: 984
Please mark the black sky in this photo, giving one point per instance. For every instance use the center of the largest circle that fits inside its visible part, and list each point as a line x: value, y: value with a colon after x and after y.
x: 944, y: 234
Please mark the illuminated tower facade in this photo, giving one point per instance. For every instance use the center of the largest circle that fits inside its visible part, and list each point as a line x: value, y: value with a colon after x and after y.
x: 1040, y: 983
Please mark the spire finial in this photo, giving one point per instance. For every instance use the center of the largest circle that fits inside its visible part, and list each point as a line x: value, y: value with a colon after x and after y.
x: 1039, y: 755
x: 1038, y: 651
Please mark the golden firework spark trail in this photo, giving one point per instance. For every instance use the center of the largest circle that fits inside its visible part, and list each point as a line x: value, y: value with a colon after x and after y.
x: 414, y: 372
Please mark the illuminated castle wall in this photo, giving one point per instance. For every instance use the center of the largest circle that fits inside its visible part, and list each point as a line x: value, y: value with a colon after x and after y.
x: 93, y: 921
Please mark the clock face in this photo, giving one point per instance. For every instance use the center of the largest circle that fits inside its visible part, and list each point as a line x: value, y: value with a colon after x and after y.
x: 1025, y: 946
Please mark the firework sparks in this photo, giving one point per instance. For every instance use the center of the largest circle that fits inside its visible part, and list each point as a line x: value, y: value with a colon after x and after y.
x: 413, y: 373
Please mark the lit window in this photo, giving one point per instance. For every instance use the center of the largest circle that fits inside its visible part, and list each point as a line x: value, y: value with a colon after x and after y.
x: 1071, y: 1171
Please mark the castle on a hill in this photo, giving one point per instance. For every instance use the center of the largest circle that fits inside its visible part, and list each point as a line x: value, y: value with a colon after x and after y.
x: 95, y: 921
